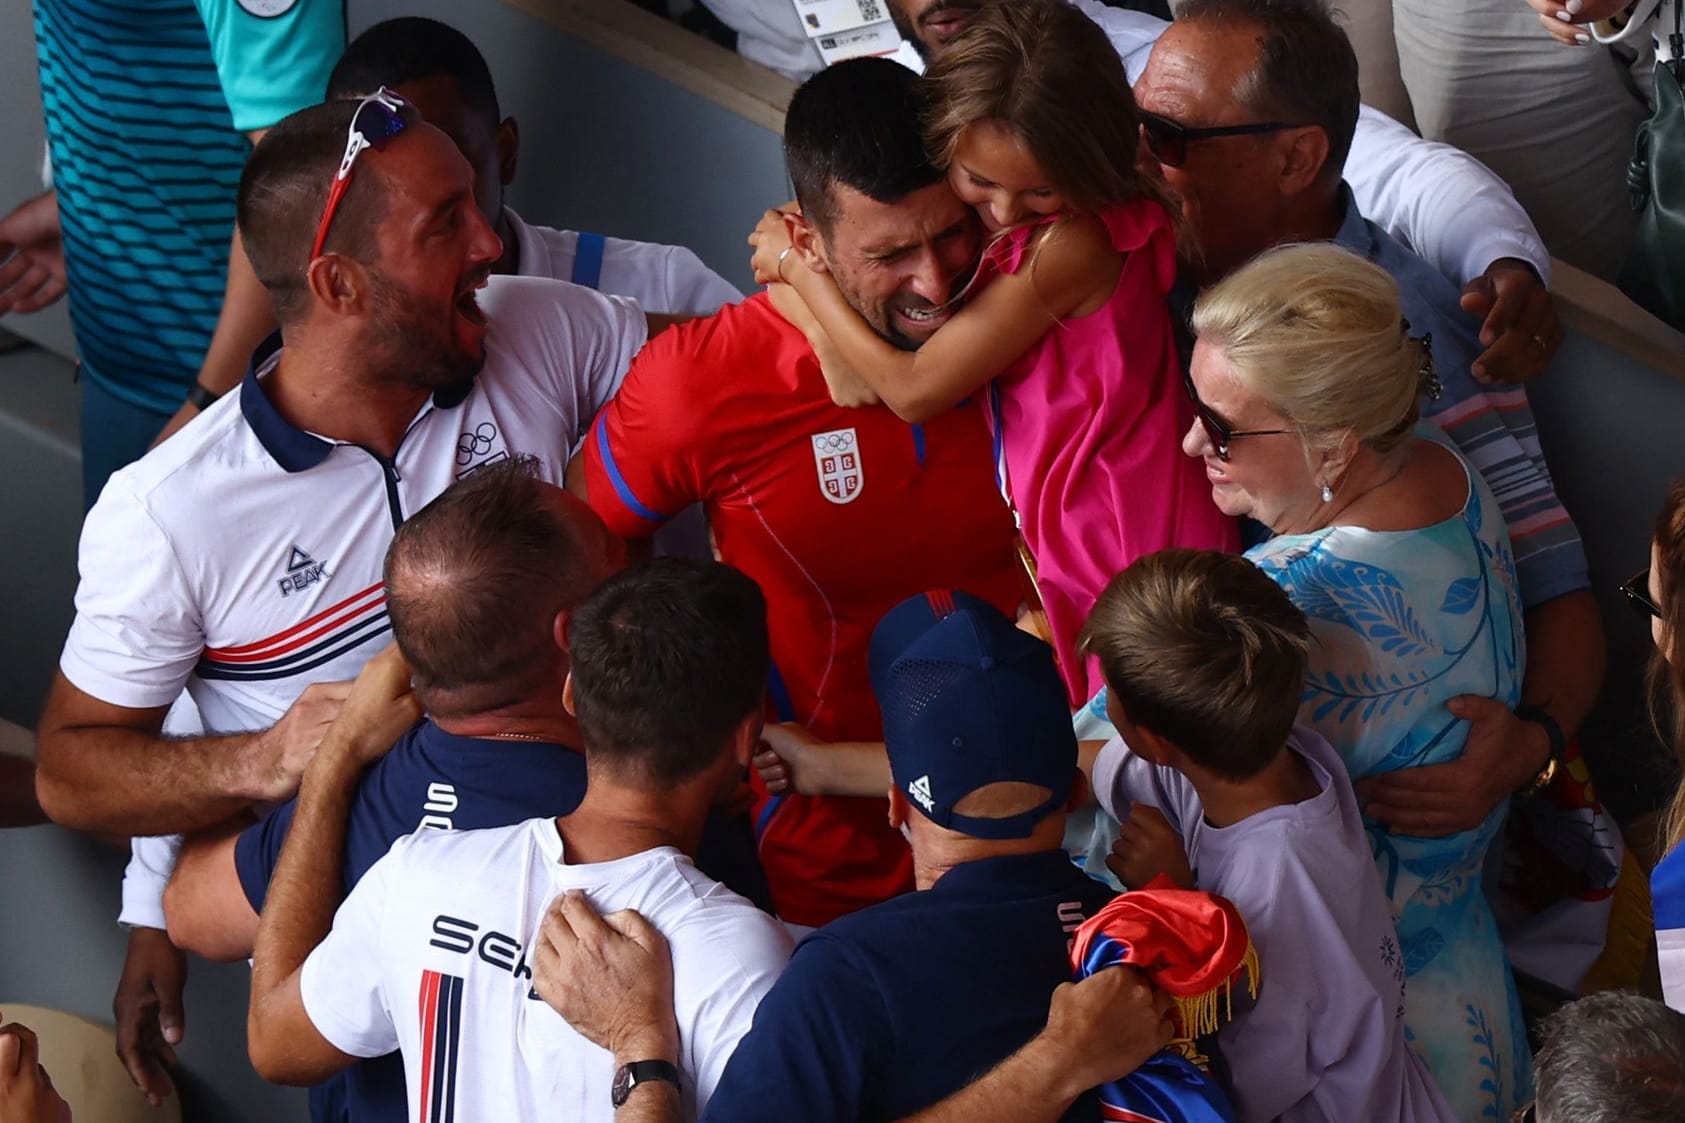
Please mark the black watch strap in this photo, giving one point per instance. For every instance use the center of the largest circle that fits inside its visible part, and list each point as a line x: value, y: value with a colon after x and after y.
x: 201, y: 397
x: 1553, y: 731
x: 629, y: 1076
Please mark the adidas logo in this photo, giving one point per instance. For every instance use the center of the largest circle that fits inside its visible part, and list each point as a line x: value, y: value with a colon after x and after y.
x: 920, y: 791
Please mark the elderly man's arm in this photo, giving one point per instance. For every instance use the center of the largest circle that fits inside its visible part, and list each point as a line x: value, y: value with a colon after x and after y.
x: 285, y: 1045
x: 611, y: 978
x: 1098, y: 1030
x: 104, y: 767
x: 1565, y: 663
x: 205, y: 905
x: 1465, y: 221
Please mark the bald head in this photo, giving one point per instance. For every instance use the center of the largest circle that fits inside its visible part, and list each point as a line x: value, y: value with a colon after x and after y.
x: 475, y: 583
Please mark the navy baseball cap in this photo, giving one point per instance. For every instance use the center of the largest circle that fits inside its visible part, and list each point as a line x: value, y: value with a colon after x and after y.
x: 970, y: 700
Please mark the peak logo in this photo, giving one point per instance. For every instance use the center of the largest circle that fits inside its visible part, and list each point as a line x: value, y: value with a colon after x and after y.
x: 920, y: 791
x: 302, y: 571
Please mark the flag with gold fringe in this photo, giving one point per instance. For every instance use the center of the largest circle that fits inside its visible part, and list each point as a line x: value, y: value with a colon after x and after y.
x: 1194, y: 947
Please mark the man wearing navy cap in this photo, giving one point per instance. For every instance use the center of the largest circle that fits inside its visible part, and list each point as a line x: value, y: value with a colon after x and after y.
x: 889, y: 1010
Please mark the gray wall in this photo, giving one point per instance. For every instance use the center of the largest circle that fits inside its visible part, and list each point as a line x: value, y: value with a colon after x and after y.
x: 605, y: 147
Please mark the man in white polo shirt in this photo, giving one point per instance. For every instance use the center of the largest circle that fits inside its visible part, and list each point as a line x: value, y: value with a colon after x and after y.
x: 240, y: 560
x: 430, y: 952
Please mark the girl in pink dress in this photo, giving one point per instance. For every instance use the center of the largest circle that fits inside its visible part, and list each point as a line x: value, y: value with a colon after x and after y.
x: 1066, y: 326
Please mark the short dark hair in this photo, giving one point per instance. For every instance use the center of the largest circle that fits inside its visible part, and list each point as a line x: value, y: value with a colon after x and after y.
x: 1306, y: 72
x: 474, y: 581
x: 412, y: 49
x: 283, y: 190
x: 857, y: 124
x: 668, y: 659
x: 1205, y: 650
x: 1613, y: 1057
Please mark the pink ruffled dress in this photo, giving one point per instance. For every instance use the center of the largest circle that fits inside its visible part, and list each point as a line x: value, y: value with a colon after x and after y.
x: 1088, y: 428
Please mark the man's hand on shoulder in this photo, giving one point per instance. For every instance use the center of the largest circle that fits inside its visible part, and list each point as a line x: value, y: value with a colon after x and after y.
x: 1518, y: 323
x: 379, y: 707
x: 609, y: 977
x: 148, y: 1009
x: 283, y: 752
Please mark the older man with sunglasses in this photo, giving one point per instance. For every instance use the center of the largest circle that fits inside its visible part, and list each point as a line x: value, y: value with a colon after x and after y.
x: 241, y: 560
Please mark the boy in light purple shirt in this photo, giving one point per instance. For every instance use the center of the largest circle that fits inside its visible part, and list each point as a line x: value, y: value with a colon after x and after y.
x: 1204, y: 660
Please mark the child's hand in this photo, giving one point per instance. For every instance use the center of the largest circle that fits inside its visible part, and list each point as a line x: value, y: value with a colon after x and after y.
x: 1148, y: 846
x: 847, y: 388
x: 786, y: 758
x: 772, y: 257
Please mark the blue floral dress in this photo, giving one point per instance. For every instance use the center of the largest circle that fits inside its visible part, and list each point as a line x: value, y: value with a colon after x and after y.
x: 1404, y: 621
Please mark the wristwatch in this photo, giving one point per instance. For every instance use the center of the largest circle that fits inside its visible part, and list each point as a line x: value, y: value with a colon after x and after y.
x: 202, y: 397
x: 1558, y: 742
x: 631, y: 1075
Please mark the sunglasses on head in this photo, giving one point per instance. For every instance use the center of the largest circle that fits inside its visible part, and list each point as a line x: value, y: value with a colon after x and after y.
x: 1168, y: 141
x: 1217, y: 429
x: 378, y: 119
x: 1637, y: 591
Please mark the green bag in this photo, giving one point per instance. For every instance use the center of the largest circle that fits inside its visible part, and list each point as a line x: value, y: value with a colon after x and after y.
x: 1654, y: 275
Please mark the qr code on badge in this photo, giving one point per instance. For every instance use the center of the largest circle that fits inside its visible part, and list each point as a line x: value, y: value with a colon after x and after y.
x: 871, y: 11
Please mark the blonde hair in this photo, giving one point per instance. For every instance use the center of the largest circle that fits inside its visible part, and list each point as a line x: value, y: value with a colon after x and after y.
x: 1048, y: 75
x: 1316, y: 331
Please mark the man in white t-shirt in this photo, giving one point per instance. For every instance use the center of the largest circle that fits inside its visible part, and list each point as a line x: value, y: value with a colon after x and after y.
x: 430, y: 954
x: 439, y: 70
x: 240, y: 561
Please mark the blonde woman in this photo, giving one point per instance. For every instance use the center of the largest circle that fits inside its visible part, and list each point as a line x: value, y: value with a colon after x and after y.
x: 1306, y: 386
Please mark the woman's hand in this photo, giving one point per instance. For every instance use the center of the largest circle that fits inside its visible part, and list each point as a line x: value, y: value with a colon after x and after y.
x: 772, y: 255
x: 1147, y: 846
x: 1566, y: 21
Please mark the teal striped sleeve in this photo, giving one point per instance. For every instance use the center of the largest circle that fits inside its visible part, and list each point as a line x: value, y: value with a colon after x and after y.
x: 273, y: 56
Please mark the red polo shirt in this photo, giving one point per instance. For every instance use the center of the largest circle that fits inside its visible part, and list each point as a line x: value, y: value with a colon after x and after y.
x: 839, y: 515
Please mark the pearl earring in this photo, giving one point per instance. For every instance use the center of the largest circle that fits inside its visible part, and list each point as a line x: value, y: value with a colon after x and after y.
x: 1327, y: 493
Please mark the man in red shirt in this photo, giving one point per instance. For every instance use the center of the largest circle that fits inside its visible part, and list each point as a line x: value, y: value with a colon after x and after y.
x: 839, y: 514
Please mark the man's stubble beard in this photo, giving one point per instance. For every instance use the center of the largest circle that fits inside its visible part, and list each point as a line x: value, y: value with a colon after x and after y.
x: 885, y: 330
x: 413, y: 348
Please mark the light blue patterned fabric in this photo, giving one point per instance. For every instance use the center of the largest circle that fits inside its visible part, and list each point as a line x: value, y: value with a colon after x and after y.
x: 1404, y: 621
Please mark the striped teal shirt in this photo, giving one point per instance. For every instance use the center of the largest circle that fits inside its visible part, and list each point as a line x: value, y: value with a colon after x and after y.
x: 146, y: 158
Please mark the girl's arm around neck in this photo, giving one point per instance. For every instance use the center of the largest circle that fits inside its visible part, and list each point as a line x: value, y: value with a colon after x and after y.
x: 1072, y: 270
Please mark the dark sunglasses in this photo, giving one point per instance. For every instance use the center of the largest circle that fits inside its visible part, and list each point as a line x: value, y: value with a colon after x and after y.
x: 1637, y: 590
x: 1168, y: 141
x: 378, y: 119
x: 1217, y: 429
